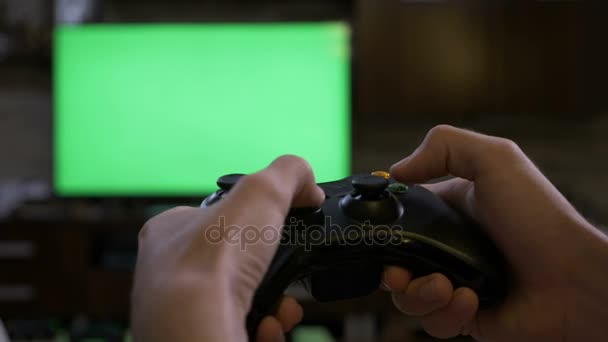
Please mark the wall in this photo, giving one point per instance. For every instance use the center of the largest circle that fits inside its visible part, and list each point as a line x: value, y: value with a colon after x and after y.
x: 462, y: 57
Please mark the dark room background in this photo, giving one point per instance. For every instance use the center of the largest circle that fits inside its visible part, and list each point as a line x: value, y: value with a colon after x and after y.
x: 531, y: 71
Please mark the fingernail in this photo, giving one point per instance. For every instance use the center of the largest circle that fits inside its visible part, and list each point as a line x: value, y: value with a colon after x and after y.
x: 428, y: 291
x: 280, y: 337
x: 321, y: 193
x: 385, y: 286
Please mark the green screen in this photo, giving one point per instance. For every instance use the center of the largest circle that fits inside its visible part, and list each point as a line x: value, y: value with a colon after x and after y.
x: 167, y: 109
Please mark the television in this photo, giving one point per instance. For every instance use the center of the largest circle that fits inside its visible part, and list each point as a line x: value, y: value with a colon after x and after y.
x: 165, y: 109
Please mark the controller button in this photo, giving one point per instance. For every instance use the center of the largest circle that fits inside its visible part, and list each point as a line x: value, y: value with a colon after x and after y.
x: 398, y: 188
x: 213, y: 198
x: 382, y: 174
x: 308, y: 216
x: 303, y: 211
x: 370, y: 186
x: 226, y: 182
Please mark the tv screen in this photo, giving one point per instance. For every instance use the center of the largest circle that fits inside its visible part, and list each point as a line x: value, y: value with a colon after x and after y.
x: 165, y: 109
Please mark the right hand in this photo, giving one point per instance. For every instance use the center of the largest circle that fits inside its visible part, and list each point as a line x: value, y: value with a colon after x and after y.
x: 558, y: 261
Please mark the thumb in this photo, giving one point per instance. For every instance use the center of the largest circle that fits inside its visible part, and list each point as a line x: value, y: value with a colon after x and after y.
x: 254, y: 211
x: 265, y: 197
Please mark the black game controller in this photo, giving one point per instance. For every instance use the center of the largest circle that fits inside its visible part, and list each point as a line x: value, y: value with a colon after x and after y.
x: 367, y: 222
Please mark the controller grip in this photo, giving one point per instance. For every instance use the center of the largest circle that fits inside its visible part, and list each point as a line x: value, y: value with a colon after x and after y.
x: 421, y: 259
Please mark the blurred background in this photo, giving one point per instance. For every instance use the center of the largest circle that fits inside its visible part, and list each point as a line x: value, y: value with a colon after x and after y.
x: 531, y: 71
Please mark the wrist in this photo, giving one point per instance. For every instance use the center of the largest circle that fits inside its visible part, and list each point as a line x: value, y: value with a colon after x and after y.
x: 188, y: 308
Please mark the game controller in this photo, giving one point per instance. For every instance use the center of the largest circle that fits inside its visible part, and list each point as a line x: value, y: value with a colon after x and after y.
x: 367, y: 222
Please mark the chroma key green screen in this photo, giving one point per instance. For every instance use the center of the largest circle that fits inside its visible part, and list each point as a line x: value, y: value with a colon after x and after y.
x: 165, y: 109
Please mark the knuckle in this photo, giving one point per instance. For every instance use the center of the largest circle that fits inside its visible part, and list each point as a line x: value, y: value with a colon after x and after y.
x: 255, y: 180
x: 155, y: 221
x: 263, y: 184
x: 401, y: 304
x: 291, y: 157
x: 441, y: 131
x: 297, y: 161
x: 507, y: 147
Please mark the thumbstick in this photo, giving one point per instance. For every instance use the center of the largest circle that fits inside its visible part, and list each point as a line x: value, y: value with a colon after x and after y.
x: 370, y: 201
x: 226, y: 182
x: 370, y: 186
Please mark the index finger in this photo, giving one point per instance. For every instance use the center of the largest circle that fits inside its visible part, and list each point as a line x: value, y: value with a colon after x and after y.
x: 448, y: 150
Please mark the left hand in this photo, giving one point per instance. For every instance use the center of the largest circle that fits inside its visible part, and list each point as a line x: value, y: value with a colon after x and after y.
x: 198, y: 268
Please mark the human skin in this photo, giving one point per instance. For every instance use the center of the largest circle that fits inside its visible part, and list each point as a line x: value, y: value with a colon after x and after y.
x: 188, y: 288
x: 557, y: 259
